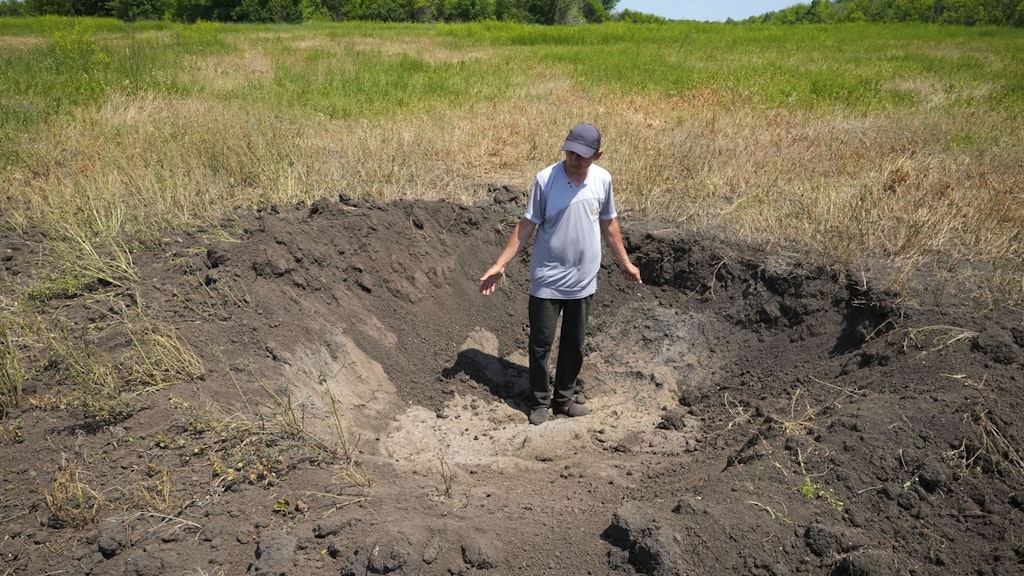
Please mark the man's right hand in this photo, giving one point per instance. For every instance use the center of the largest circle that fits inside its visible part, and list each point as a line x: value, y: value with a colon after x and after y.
x: 520, y: 235
x: 490, y: 280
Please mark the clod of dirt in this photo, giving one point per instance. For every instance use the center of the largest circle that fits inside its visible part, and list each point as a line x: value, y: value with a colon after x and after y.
x: 866, y: 562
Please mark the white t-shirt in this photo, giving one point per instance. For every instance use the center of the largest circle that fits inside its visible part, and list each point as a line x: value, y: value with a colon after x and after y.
x: 567, y: 249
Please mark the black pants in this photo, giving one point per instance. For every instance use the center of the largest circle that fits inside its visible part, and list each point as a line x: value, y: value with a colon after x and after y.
x: 543, y: 322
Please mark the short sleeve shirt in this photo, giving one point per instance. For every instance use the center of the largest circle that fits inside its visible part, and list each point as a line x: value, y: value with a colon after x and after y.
x: 567, y: 250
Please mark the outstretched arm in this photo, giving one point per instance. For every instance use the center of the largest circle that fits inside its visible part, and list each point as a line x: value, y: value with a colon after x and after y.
x: 613, y: 239
x: 520, y: 236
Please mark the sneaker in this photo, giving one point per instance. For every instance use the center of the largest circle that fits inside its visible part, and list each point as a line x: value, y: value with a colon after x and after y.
x: 572, y: 410
x: 539, y: 415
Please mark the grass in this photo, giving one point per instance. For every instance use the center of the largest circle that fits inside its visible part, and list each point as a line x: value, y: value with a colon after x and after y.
x: 99, y: 370
x: 930, y: 339
x: 855, y: 142
x: 800, y: 420
x: 72, y: 503
x: 1001, y: 455
x: 880, y: 140
x: 11, y: 377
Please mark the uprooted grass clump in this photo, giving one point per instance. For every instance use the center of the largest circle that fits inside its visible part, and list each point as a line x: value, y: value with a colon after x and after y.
x: 101, y: 368
x: 986, y: 449
x: 71, y: 501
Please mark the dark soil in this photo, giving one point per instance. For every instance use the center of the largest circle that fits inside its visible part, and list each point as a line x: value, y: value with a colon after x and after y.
x: 361, y: 410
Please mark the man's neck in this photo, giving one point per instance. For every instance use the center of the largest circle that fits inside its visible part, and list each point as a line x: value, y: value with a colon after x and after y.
x: 575, y: 178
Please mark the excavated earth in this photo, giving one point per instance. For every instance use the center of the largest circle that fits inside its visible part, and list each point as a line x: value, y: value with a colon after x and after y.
x: 360, y: 409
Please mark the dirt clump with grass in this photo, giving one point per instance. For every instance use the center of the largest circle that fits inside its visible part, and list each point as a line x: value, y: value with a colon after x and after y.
x: 341, y: 400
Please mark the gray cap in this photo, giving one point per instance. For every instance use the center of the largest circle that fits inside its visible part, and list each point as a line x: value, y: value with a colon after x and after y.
x: 583, y: 139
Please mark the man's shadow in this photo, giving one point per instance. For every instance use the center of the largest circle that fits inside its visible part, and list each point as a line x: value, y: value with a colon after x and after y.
x: 505, y: 380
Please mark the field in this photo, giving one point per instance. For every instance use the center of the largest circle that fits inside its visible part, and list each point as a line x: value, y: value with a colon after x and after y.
x: 239, y: 327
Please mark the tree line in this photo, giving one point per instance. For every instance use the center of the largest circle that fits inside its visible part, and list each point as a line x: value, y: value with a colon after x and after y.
x: 960, y: 12
x: 294, y: 11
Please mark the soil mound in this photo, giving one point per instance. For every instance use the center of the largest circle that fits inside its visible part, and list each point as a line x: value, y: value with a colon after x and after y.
x: 361, y: 409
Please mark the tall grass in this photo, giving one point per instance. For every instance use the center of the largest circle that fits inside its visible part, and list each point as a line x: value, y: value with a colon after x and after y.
x: 855, y: 141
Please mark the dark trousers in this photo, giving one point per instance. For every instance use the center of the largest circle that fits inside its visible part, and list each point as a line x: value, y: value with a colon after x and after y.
x: 543, y: 322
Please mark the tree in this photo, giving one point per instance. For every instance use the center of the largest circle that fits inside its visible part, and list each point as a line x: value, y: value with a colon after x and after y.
x: 635, y: 17
x: 12, y: 8
x: 472, y: 10
x: 820, y: 11
x: 196, y: 10
x: 49, y: 7
x: 284, y: 11
x: 130, y: 10
x: 595, y: 10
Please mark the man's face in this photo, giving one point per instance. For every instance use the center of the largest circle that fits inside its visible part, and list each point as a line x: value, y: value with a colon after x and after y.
x: 579, y: 163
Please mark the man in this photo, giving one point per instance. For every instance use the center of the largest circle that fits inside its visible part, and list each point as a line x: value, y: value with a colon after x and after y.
x: 571, y: 208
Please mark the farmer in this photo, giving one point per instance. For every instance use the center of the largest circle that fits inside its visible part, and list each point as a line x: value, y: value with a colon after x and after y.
x: 571, y: 208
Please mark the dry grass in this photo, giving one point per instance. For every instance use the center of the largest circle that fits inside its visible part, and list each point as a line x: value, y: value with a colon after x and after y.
x: 934, y: 338
x: 800, y: 419
x: 72, y: 503
x: 11, y: 377
x: 98, y: 370
x: 1002, y: 454
x: 850, y: 188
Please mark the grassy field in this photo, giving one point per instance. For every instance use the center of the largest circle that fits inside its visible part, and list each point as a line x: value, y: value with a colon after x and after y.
x: 854, y: 141
x: 903, y: 141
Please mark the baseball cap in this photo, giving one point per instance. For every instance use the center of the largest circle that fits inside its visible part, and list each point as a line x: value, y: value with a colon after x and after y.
x: 583, y: 139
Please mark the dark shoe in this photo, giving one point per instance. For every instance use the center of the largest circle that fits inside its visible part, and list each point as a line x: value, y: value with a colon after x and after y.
x: 572, y: 410
x: 579, y: 393
x: 539, y: 415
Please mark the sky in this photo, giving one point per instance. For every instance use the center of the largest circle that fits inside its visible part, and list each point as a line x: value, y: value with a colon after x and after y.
x: 709, y: 10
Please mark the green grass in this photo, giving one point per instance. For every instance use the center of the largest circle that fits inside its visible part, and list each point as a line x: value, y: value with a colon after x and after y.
x: 809, y: 67
x: 56, y: 65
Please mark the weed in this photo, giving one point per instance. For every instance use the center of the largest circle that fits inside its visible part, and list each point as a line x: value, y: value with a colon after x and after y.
x: 10, y: 433
x: 58, y: 287
x: 999, y: 454
x: 159, y: 357
x: 100, y: 369
x: 798, y: 422
x: 812, y: 490
x: 447, y: 477
x: 10, y: 373
x: 292, y: 422
x: 780, y: 516
x: 740, y: 414
x: 962, y: 459
x: 75, y: 51
x: 111, y: 265
x: 346, y: 451
x: 161, y: 497
x: 91, y: 378
x: 72, y: 503
x: 940, y: 337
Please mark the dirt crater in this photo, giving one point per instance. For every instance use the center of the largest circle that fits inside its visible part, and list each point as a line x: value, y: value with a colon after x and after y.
x: 754, y: 413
